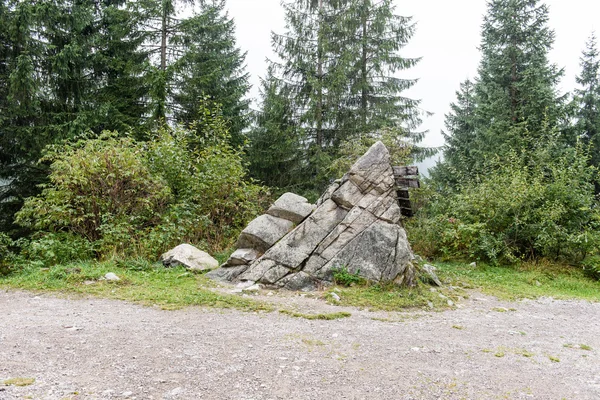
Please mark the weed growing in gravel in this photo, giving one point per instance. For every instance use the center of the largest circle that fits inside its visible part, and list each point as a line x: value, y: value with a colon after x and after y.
x: 554, y: 359
x: 19, y: 382
x: 581, y: 346
x: 330, y: 316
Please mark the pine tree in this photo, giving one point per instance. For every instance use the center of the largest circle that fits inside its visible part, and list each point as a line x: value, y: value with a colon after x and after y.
x: 275, y: 155
x: 517, y: 83
x: 374, y: 36
x: 119, y: 63
x: 587, y: 99
x: 70, y: 67
x: 21, y: 141
x: 211, y: 66
x: 514, y: 98
x: 459, y: 150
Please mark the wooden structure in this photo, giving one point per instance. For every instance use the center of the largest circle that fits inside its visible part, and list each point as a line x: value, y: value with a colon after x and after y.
x: 406, y: 178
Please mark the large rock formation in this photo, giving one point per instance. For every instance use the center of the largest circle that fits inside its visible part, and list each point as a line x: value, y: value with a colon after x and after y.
x: 356, y: 226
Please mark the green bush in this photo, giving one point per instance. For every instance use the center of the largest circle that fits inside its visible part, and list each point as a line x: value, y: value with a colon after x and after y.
x: 343, y: 277
x: 100, y: 191
x: 591, y: 266
x: 48, y: 248
x: 543, y: 207
x: 6, y: 254
x: 117, y: 197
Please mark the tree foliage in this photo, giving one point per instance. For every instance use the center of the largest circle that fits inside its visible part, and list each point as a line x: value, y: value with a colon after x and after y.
x: 336, y: 77
x: 121, y: 196
x: 514, y: 96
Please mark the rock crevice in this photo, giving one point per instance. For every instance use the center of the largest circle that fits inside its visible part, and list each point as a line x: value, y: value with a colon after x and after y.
x: 356, y: 225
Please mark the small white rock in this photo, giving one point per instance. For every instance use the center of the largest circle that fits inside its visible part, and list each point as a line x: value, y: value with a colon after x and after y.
x: 473, y: 265
x: 251, y: 289
x: 335, y: 296
x: 244, y: 284
x: 112, y: 277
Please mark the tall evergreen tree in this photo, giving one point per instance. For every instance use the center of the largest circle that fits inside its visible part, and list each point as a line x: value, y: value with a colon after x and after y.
x: 310, y: 68
x: 515, y: 96
x: 275, y: 155
x: 587, y: 99
x: 459, y: 137
x: 374, y: 35
x: 71, y: 67
x: 516, y: 83
x: 21, y: 141
x: 337, y: 62
x: 211, y: 65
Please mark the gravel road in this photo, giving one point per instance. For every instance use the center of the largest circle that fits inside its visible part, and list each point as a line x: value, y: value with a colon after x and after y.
x: 487, y: 349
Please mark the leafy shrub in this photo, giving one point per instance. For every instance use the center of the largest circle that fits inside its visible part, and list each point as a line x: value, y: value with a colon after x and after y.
x: 214, y: 200
x: 543, y: 207
x: 343, y: 277
x: 591, y: 265
x: 6, y: 254
x: 100, y: 190
x: 120, y: 197
x: 48, y: 248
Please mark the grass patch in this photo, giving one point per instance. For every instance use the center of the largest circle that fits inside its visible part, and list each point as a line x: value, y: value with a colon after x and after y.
x: 459, y: 327
x: 391, y: 298
x: 328, y: 317
x: 585, y: 347
x: 19, y: 382
x: 529, y: 280
x: 554, y: 359
x: 141, y: 282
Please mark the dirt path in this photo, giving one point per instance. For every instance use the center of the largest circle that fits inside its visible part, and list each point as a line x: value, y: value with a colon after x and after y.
x: 102, y: 349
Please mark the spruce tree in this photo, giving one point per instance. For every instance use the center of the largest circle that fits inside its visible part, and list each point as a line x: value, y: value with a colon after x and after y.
x: 69, y: 67
x: 21, y: 141
x: 514, y: 98
x: 211, y: 65
x: 374, y: 36
x: 275, y: 155
x: 313, y: 67
x: 459, y: 149
x: 517, y: 83
x: 587, y: 99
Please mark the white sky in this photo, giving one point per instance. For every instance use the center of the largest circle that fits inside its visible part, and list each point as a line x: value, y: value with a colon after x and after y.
x: 447, y: 37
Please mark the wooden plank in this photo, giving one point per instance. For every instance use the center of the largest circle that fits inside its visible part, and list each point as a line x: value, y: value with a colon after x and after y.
x: 406, y: 171
x: 403, y: 194
x: 404, y: 203
x: 408, y: 183
x: 407, y: 212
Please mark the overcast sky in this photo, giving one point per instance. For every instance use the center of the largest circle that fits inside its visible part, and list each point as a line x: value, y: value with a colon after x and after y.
x: 447, y: 37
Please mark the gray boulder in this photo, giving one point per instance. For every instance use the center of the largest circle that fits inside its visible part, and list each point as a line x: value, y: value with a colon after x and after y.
x: 190, y: 257
x: 242, y: 257
x: 356, y: 225
x: 263, y: 232
x: 292, y: 207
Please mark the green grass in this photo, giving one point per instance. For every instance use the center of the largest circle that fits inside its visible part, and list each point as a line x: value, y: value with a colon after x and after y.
x: 151, y: 284
x: 525, y: 281
x: 141, y: 282
x: 19, y: 382
x: 391, y: 298
x: 328, y: 317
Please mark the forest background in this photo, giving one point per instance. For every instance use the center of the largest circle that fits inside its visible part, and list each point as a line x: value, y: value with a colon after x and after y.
x: 126, y: 128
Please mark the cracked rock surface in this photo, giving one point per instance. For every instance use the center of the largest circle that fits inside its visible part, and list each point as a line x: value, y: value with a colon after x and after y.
x: 355, y: 226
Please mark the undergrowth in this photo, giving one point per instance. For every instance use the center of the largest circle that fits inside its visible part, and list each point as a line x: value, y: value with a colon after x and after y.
x: 141, y: 282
